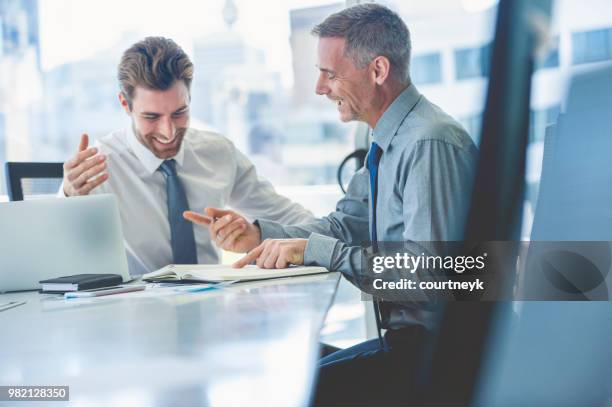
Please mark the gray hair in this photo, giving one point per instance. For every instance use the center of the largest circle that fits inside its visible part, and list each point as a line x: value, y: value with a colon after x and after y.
x: 370, y: 30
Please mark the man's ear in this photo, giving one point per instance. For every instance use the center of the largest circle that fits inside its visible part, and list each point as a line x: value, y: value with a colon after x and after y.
x: 124, y: 103
x: 381, y: 69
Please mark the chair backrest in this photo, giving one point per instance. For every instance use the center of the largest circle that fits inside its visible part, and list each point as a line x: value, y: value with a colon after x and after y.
x: 345, y: 173
x: 31, y: 179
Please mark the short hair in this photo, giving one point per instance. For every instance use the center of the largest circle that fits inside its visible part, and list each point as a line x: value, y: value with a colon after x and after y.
x: 370, y: 30
x: 154, y: 63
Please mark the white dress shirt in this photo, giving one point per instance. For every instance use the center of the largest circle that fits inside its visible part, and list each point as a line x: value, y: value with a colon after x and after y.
x: 213, y: 173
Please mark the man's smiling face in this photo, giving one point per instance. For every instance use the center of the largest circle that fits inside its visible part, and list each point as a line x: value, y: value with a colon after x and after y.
x: 160, y: 118
x: 341, y: 81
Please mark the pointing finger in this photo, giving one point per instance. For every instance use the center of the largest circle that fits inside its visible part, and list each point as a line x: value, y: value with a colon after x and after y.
x: 195, y: 217
x: 216, y: 212
x: 249, y: 258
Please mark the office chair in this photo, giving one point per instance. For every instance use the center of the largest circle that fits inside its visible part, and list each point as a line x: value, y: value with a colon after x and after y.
x: 32, y: 179
x: 344, y: 173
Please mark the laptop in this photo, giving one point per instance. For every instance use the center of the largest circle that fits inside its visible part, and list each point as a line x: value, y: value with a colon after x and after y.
x: 48, y: 238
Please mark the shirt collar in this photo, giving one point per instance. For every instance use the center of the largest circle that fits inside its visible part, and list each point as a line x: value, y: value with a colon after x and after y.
x: 146, y: 157
x: 392, y: 118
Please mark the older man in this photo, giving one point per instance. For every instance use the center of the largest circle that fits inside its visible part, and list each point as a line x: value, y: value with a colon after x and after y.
x: 415, y: 188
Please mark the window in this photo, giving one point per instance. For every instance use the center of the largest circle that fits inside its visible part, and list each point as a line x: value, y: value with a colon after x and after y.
x: 450, y: 44
x: 472, y: 62
x: 253, y: 83
x: 592, y: 46
x: 426, y: 69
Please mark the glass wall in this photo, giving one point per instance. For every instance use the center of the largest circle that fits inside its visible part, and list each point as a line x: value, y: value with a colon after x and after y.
x: 451, y: 43
x: 451, y: 54
x: 253, y: 82
x: 580, y: 41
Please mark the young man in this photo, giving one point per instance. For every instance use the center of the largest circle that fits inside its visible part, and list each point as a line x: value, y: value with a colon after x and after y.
x: 416, y: 188
x: 159, y: 167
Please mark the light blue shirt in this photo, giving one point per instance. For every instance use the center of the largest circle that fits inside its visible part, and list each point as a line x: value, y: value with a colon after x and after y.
x: 424, y: 184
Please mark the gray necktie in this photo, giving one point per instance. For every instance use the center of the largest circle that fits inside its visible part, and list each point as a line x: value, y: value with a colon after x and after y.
x: 181, y: 230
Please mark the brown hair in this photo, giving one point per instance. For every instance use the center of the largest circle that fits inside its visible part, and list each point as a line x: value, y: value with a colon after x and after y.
x: 154, y: 63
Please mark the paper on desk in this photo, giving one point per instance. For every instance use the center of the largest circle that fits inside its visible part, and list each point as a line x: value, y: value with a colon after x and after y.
x: 222, y: 272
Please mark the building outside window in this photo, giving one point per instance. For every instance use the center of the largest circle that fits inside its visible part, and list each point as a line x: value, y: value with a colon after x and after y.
x: 254, y: 83
x: 592, y: 46
x: 426, y: 69
x: 473, y: 62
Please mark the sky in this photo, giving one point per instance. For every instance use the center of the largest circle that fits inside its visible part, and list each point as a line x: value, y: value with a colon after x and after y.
x: 71, y: 30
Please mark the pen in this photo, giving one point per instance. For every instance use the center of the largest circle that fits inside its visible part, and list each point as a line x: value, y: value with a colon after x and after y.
x: 99, y: 292
x: 204, y: 287
x: 12, y: 304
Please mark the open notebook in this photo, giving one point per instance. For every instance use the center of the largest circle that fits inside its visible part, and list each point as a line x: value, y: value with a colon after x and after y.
x: 220, y: 272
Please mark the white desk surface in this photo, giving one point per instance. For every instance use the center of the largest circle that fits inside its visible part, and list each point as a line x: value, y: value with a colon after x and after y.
x: 251, y: 344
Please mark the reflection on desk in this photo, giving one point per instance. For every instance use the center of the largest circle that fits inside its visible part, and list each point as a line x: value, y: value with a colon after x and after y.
x: 252, y: 344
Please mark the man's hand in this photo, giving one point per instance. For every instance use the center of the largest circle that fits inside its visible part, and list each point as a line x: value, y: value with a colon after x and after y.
x: 229, y: 230
x: 275, y: 253
x: 84, y: 171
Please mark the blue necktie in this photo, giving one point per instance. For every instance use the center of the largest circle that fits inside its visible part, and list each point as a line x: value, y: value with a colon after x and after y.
x: 373, y: 159
x: 181, y: 230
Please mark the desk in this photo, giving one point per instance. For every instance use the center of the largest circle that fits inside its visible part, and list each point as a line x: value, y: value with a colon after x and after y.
x: 251, y: 344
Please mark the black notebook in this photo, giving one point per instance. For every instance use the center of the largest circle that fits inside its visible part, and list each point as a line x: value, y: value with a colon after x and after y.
x: 80, y: 282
